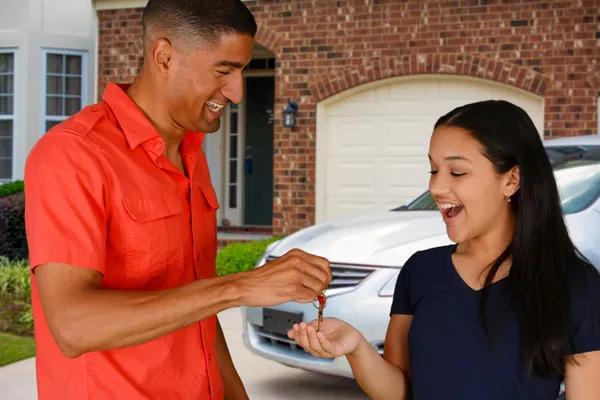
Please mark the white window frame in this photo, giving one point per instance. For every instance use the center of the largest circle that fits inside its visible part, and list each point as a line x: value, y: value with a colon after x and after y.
x: 84, y: 83
x: 13, y: 117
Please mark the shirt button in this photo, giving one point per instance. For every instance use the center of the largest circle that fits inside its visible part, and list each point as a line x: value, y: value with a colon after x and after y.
x: 95, y: 108
x: 158, y: 145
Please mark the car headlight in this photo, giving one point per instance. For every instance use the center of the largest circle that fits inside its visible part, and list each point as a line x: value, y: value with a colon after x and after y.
x: 390, y: 286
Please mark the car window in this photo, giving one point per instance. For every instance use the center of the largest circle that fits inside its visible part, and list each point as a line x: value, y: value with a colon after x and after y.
x: 578, y: 184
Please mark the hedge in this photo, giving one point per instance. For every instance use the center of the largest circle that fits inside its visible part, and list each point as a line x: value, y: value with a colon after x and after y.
x: 241, y: 257
x: 7, y: 189
x: 13, y: 239
x: 15, y: 297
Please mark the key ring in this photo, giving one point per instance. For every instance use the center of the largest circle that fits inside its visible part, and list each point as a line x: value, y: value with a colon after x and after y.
x: 317, y: 305
x: 318, y: 302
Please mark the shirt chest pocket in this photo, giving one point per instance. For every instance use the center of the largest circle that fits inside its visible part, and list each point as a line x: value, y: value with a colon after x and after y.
x: 205, y: 230
x: 154, y: 234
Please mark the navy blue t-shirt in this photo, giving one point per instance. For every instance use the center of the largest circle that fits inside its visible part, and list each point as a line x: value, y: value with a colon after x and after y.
x: 451, y: 356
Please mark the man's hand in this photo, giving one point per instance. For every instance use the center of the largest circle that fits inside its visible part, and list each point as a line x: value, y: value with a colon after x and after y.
x: 296, y: 276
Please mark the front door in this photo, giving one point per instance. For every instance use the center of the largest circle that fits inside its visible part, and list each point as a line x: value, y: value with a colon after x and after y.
x: 258, y: 152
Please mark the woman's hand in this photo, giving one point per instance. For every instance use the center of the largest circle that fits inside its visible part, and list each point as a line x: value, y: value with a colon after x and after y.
x: 335, y: 338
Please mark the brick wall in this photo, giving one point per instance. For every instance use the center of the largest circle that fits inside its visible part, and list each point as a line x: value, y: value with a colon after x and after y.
x: 551, y: 48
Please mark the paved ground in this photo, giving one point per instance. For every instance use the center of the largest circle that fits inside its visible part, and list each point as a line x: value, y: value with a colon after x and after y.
x: 264, y: 379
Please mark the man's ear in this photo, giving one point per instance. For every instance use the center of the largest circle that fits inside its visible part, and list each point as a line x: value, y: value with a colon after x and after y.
x: 162, y: 55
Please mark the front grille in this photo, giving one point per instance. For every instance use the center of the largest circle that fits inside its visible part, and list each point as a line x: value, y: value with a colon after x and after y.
x: 345, y: 276
x: 284, y: 344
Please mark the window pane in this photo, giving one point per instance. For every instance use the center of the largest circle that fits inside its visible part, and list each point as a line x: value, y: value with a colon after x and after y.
x: 6, y: 105
x: 6, y: 84
x: 73, y: 106
x: 54, y: 85
x: 74, y: 86
x: 6, y: 63
x: 50, y: 124
x: 6, y: 145
x: 233, y: 171
x: 54, y: 105
x: 6, y: 169
x: 54, y: 63
x: 233, y: 146
x: 232, y: 196
x: 6, y: 128
x: 234, y: 123
x: 74, y: 65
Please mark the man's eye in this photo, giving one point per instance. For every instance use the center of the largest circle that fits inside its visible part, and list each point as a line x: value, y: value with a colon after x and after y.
x: 223, y: 72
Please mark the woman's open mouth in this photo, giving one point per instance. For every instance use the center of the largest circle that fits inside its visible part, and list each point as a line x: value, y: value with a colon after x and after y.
x: 450, y: 211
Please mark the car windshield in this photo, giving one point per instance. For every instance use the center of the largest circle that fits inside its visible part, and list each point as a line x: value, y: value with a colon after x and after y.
x: 578, y: 184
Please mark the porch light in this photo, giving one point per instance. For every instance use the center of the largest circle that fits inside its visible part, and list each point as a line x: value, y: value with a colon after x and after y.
x: 289, y: 114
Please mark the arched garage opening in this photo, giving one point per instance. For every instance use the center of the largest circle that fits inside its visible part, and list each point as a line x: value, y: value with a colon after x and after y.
x: 372, y: 140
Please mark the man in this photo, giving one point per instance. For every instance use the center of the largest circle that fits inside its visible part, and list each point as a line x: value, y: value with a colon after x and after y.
x: 121, y: 224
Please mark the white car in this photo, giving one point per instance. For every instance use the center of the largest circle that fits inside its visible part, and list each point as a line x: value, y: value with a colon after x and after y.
x: 366, y: 254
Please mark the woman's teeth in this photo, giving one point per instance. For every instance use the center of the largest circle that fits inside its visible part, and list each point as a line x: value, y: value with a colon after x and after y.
x: 448, y: 206
x: 214, y: 107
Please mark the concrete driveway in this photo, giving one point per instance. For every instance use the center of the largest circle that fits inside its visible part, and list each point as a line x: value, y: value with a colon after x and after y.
x: 264, y: 379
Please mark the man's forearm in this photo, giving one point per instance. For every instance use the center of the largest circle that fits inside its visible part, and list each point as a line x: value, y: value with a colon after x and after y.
x: 234, y: 387
x: 370, y: 370
x: 99, y: 319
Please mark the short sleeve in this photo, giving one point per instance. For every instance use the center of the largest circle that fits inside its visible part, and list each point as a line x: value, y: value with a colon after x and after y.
x: 402, y: 302
x: 65, y: 208
x: 585, y: 313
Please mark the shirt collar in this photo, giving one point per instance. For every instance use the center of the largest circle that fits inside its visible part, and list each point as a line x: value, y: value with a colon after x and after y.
x: 136, y: 127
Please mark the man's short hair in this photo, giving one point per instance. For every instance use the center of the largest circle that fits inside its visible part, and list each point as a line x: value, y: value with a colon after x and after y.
x: 193, y: 20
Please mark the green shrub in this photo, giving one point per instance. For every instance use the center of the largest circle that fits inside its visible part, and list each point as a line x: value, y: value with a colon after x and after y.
x: 13, y: 239
x: 241, y: 257
x: 15, y: 187
x: 15, y: 297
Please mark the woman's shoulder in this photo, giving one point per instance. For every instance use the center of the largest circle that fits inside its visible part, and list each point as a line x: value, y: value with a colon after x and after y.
x: 584, y: 286
x: 428, y: 260
x: 432, y: 254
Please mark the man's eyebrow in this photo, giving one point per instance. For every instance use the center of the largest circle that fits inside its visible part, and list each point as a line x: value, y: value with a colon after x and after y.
x: 230, y: 64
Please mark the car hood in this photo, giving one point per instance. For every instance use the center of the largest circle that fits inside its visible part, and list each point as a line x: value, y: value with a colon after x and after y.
x: 385, y: 239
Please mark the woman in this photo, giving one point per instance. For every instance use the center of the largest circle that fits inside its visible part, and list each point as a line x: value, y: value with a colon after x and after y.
x: 507, y: 311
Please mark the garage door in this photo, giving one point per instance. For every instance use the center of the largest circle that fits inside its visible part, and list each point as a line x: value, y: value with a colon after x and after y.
x: 372, y: 141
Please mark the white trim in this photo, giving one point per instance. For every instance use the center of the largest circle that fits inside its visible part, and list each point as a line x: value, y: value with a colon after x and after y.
x: 234, y: 215
x: 119, y: 4
x: 43, y: 84
x: 15, y: 53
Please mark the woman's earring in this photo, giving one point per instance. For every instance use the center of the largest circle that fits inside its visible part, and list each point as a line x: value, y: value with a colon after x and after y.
x: 511, y: 193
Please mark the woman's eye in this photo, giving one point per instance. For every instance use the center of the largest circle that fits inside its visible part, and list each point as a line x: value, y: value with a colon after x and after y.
x: 433, y: 172
x: 457, y: 175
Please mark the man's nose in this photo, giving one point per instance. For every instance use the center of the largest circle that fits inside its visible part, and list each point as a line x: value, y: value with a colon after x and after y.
x: 234, y: 90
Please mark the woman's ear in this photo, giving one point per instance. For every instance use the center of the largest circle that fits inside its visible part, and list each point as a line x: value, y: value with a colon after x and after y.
x: 512, y: 181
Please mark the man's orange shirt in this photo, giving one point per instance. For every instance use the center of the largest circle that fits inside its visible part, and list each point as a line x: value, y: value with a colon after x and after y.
x: 101, y: 195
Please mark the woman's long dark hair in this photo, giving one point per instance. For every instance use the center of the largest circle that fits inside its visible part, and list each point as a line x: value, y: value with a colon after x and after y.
x: 543, y: 257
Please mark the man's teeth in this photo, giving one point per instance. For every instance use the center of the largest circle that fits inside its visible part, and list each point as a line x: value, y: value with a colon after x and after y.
x: 447, y: 206
x: 214, y: 107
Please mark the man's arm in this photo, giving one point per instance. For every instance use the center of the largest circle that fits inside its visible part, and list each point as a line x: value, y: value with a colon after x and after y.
x: 234, y: 388
x: 83, y: 317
